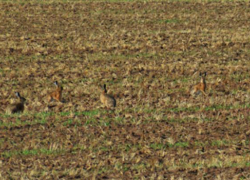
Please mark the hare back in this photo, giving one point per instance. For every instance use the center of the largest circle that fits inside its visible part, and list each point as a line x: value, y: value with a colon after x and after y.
x: 56, y: 95
x: 15, y: 108
x: 108, y: 100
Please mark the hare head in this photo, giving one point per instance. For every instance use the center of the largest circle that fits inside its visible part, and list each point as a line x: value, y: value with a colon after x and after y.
x: 203, y: 77
x: 58, y: 87
x: 22, y: 99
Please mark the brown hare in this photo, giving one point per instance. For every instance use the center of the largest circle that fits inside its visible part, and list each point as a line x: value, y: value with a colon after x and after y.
x: 200, y: 87
x: 106, y: 99
x: 56, y: 94
x: 17, y: 107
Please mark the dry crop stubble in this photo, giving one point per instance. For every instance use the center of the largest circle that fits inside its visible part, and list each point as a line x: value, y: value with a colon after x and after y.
x: 149, y: 54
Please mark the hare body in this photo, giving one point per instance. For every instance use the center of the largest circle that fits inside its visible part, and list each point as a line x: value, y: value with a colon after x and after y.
x: 56, y: 94
x: 17, y: 107
x: 106, y: 99
x: 200, y: 87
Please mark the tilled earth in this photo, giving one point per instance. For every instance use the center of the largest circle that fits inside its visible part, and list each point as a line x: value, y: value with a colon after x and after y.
x: 149, y: 54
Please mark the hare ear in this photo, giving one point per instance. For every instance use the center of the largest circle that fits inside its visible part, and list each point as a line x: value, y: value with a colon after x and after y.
x: 104, y: 88
x: 56, y: 83
x: 205, y: 73
x: 17, y: 94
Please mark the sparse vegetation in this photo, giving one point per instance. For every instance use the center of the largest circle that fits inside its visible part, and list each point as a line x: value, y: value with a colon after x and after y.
x: 149, y: 54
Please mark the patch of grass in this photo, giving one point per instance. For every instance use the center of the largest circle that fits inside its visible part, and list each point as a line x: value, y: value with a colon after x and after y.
x: 91, y: 113
x: 32, y: 152
x: 29, y: 152
x: 119, y: 119
x: 168, y: 21
x: 181, y: 144
x: 156, y: 146
x: 160, y: 146
x: 22, y: 123
x: 68, y: 122
x: 91, y: 121
x: 219, y: 143
x: 51, y: 152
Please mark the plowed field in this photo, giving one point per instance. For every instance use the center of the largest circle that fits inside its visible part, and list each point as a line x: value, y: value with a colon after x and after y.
x: 149, y: 54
